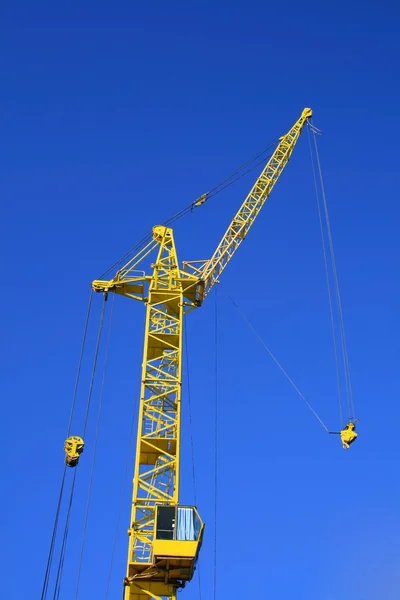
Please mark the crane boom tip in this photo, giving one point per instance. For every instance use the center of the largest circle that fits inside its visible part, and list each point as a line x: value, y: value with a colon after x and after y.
x: 307, y: 113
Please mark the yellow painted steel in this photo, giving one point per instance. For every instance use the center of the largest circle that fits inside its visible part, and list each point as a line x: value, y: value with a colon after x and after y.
x: 158, y: 442
x: 348, y: 435
x: 240, y: 225
x: 73, y: 449
x: 158, y: 568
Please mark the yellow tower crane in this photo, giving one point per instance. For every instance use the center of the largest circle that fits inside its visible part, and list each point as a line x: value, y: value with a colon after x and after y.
x: 165, y: 537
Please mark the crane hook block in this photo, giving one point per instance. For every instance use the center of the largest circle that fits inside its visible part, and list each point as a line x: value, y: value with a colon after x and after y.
x: 348, y: 435
x: 73, y: 449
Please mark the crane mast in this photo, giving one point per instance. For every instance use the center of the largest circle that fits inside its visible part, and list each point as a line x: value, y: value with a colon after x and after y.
x: 165, y: 537
x: 158, y: 441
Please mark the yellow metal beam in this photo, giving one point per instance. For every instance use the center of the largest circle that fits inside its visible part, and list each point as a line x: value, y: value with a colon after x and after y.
x: 158, y: 440
x: 248, y: 212
x: 144, y: 591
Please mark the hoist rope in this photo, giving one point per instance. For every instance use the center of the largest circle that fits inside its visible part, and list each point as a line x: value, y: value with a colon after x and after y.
x: 80, y: 364
x: 328, y: 285
x: 59, y: 503
x: 97, y: 428
x: 215, y: 437
x: 57, y: 587
x: 121, y: 499
x: 279, y: 364
x: 191, y: 438
x: 190, y: 417
x: 223, y: 184
x: 336, y: 280
x: 53, y: 539
x: 96, y: 355
x: 345, y: 358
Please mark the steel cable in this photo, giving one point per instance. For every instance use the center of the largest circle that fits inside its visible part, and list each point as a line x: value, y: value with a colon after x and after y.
x: 133, y: 421
x: 97, y: 428
x: 278, y: 364
x: 53, y: 539
x: 96, y: 354
x: 215, y: 438
x: 191, y: 439
x: 223, y: 184
x: 346, y: 366
x: 80, y: 363
x: 328, y: 284
x: 60, y: 570
x: 55, y: 526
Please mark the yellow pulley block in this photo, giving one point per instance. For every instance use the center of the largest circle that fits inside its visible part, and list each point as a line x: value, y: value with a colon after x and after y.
x: 348, y: 435
x: 73, y: 449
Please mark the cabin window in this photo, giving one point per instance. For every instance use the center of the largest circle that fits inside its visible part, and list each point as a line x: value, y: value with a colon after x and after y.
x: 181, y: 523
x: 165, y: 523
x: 185, y: 528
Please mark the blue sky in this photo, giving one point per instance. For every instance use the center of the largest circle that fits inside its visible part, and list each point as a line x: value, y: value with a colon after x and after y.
x: 114, y: 117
